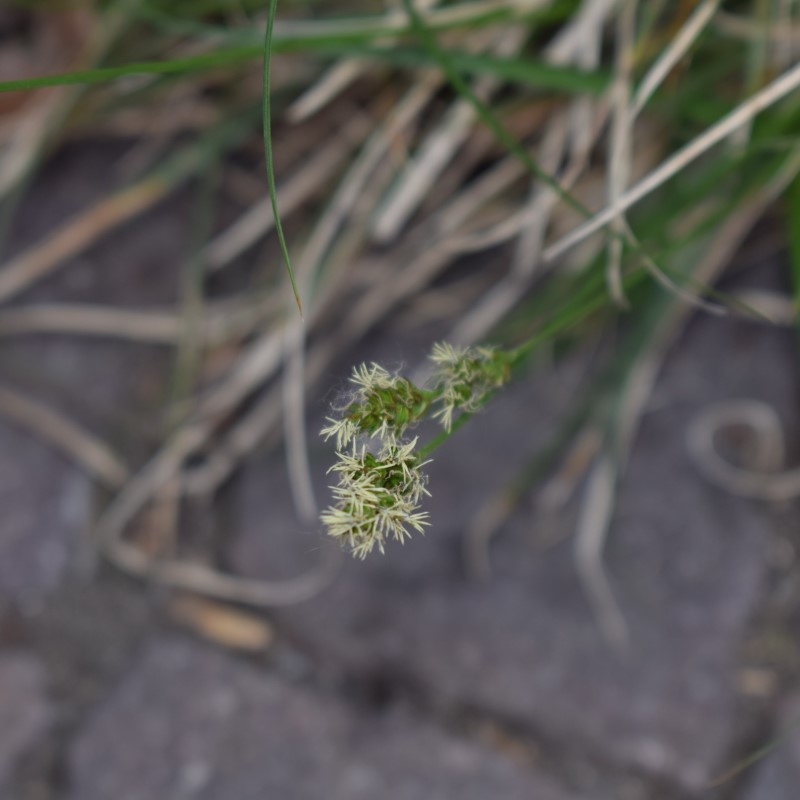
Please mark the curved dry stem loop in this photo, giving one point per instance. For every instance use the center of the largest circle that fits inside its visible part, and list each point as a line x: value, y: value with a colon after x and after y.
x: 763, y: 476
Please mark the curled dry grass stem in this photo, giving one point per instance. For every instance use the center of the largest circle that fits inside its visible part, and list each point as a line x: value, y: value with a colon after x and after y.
x: 763, y: 477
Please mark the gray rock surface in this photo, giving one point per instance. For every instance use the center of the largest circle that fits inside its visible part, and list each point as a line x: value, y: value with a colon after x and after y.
x: 25, y: 712
x: 778, y: 776
x: 189, y: 722
x: 45, y: 505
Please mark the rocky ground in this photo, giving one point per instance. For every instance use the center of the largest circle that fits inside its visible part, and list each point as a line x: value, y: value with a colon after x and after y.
x: 405, y: 679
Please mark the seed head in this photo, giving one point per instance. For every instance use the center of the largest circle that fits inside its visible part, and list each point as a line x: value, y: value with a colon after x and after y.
x: 384, y: 406
x: 463, y: 378
x: 377, y: 497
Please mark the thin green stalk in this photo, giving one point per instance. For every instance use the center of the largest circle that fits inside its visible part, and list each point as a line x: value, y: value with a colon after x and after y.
x: 487, y: 116
x: 267, y: 116
x: 522, y: 71
x: 190, y: 344
x: 515, y: 70
x: 757, y: 756
x: 219, y: 58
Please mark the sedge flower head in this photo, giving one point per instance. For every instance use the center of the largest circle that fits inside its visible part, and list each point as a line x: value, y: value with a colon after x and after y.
x: 377, y: 497
x: 383, y: 406
x: 463, y: 377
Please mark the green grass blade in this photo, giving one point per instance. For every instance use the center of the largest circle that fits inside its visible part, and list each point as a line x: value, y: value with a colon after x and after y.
x: 757, y: 756
x: 220, y: 58
x: 515, y: 70
x: 296, y: 36
x: 267, y: 116
x: 428, y: 40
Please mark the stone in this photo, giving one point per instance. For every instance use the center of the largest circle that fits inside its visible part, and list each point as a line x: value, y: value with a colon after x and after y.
x: 45, y: 504
x: 778, y: 776
x: 190, y: 722
x: 25, y: 712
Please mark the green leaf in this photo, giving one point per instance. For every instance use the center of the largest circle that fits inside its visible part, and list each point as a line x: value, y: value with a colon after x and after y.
x: 515, y: 70
x: 273, y: 194
x: 219, y: 58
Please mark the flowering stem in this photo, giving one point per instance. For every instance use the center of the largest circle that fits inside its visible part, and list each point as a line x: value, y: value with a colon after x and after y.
x: 443, y: 436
